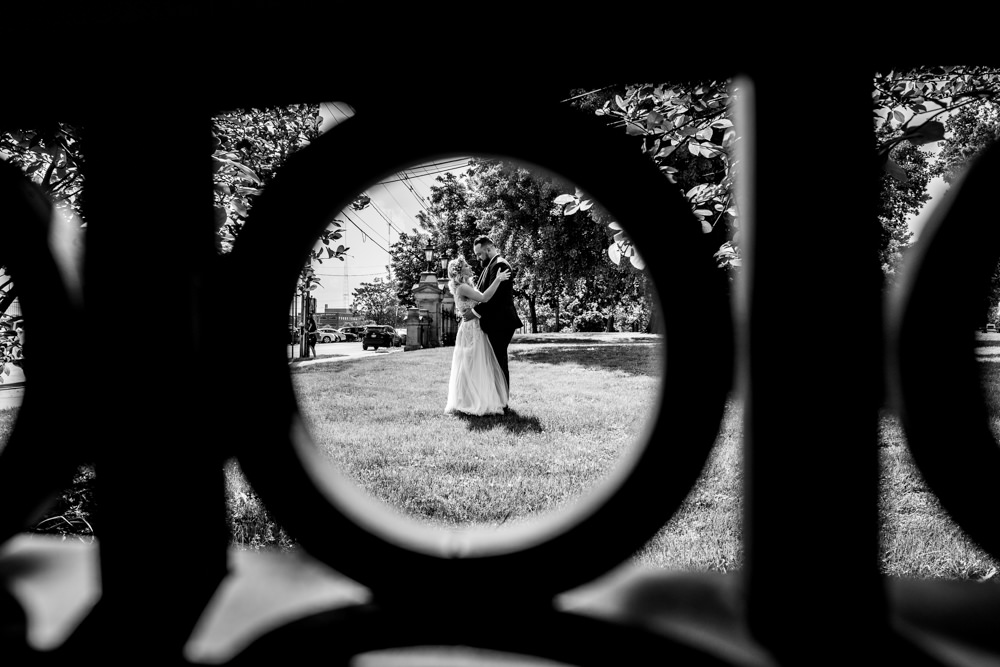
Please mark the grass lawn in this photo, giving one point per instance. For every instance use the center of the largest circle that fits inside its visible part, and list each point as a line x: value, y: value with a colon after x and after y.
x: 574, y: 410
x: 578, y: 401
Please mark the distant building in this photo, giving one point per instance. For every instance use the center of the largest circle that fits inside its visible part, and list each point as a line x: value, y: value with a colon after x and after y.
x: 337, y: 317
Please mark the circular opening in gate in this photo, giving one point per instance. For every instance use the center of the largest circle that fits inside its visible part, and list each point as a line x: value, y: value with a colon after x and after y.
x: 390, y: 552
x: 406, y: 397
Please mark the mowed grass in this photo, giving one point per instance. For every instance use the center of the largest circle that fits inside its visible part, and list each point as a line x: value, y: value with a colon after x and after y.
x: 578, y: 403
x: 574, y: 411
x: 456, y: 471
x: 918, y: 538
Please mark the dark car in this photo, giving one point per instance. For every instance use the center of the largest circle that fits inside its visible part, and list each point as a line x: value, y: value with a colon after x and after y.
x: 353, y: 333
x: 377, y: 335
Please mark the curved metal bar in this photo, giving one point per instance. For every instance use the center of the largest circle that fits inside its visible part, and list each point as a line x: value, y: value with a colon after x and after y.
x: 935, y: 375
x: 323, y: 510
x: 340, y: 634
x: 42, y: 453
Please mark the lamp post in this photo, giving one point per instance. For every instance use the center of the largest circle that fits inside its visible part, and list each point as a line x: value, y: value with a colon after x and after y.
x: 429, y: 255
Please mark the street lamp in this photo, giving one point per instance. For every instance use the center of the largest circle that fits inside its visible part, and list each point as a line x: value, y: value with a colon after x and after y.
x: 429, y: 255
x: 444, y: 266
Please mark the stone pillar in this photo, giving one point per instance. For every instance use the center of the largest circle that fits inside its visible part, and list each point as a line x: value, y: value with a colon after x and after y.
x: 442, y: 324
x: 427, y: 296
x: 412, y: 329
x: 424, y: 328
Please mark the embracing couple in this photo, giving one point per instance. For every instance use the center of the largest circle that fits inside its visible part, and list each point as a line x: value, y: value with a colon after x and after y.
x: 480, y: 380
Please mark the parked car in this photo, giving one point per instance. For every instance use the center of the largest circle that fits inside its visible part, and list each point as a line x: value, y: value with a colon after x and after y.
x: 989, y: 328
x: 378, y: 335
x: 329, y: 335
x: 402, y: 334
x: 353, y: 333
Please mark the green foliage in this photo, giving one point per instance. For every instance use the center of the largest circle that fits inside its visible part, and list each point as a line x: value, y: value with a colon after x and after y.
x: 906, y: 105
x: 249, y: 147
x: 971, y: 129
x: 590, y: 320
x: 52, y: 157
x: 902, y: 193
x: 250, y: 525
x: 687, y: 130
x: 407, y: 262
x: 75, y: 508
x: 376, y: 301
x: 559, y: 258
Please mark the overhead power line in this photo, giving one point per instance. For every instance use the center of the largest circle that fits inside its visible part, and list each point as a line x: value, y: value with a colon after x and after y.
x: 368, y: 234
x: 403, y: 178
x: 352, y: 275
x: 378, y: 210
x: 401, y: 207
x: 371, y: 230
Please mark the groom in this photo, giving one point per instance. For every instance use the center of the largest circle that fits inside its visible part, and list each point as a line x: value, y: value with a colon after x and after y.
x: 497, y: 317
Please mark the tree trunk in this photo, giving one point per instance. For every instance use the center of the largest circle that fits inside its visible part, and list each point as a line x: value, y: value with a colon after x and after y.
x: 533, y: 315
x: 557, y: 316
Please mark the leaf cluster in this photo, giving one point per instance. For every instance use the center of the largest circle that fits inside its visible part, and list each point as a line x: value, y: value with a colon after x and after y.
x: 687, y: 130
x: 52, y: 157
x: 249, y: 146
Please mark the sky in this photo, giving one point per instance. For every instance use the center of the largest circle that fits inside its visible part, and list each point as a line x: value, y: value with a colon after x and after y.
x: 370, y: 232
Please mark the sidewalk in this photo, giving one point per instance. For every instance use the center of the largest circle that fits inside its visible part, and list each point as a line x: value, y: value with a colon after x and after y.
x: 11, y: 396
x: 327, y: 358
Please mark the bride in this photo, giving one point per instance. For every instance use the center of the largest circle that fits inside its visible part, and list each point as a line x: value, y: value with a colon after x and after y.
x: 477, y: 385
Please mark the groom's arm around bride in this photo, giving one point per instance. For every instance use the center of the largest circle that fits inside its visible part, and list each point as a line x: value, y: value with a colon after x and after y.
x: 498, y: 316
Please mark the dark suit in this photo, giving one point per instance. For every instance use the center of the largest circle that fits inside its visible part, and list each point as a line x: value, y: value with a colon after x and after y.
x: 498, y: 317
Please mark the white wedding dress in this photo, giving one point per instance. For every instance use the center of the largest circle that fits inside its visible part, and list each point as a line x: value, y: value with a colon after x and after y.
x: 477, y: 385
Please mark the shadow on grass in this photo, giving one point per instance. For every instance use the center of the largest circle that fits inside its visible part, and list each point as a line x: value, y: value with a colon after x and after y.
x: 634, y: 359
x: 511, y: 421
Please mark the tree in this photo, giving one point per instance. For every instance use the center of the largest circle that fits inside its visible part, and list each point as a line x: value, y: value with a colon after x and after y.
x: 907, y: 103
x: 561, y: 259
x: 52, y: 157
x: 970, y: 130
x: 686, y: 129
x: 250, y: 145
x: 449, y: 219
x: 901, y: 195
x: 407, y: 263
x: 376, y: 301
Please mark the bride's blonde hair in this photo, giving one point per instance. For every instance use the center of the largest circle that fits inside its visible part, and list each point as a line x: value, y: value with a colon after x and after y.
x: 455, y: 277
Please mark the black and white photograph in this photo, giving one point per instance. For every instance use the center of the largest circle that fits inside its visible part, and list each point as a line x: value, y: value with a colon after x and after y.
x: 536, y: 339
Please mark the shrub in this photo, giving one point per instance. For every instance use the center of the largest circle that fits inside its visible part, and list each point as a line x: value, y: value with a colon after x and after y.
x: 74, y: 510
x: 590, y: 320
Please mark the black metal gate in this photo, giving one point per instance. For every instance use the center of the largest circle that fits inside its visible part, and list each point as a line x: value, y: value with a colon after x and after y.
x: 238, y: 400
